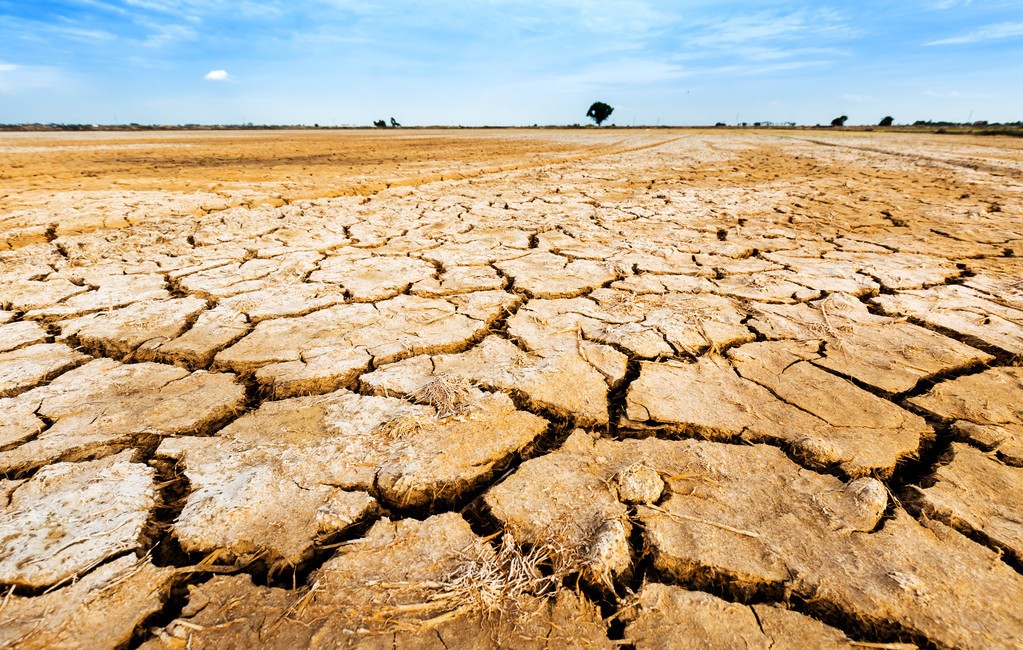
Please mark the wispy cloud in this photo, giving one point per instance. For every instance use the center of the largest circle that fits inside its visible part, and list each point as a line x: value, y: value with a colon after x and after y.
x: 82, y: 34
x: 782, y: 53
x: 767, y: 27
x: 941, y: 5
x: 218, y: 75
x: 950, y: 94
x: 15, y: 79
x: 161, y: 35
x: 997, y: 32
x: 625, y: 72
x: 761, y: 70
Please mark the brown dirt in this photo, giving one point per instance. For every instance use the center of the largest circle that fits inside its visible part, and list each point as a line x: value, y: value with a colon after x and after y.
x: 506, y: 388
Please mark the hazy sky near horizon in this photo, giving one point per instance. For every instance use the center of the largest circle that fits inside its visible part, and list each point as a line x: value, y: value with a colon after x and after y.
x: 508, y: 62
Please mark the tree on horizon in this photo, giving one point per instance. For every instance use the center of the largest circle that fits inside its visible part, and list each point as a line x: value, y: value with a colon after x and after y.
x: 887, y: 121
x: 839, y: 121
x: 599, y: 111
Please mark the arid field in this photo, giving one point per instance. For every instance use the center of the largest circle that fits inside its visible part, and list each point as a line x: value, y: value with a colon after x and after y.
x: 499, y: 388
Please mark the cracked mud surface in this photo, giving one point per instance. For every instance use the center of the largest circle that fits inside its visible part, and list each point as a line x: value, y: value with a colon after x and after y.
x: 511, y: 389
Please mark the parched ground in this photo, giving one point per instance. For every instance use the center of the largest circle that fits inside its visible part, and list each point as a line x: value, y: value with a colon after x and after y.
x: 530, y: 389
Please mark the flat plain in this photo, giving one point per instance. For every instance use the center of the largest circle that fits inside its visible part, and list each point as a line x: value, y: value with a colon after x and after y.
x: 511, y: 388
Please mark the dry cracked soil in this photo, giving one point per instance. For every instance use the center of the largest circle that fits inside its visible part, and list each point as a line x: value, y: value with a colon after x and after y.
x: 525, y: 389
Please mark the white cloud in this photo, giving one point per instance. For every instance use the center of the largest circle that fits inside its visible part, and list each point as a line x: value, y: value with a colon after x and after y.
x: 218, y: 75
x: 987, y: 33
x: 15, y: 79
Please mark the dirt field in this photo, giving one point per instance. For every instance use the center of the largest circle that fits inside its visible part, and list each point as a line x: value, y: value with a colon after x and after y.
x: 525, y: 389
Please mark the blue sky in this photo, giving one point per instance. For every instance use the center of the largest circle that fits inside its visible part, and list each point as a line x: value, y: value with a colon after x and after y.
x: 508, y: 62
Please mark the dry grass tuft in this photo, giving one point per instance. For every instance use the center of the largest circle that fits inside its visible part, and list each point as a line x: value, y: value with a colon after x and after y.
x: 449, y: 394
x: 502, y: 586
x: 497, y: 583
x: 624, y: 302
x: 494, y: 583
x: 404, y: 426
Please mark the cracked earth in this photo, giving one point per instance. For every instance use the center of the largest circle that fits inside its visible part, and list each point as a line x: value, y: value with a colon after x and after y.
x: 511, y: 389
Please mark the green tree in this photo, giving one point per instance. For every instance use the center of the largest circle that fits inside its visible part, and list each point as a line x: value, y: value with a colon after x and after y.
x: 887, y: 121
x: 839, y: 121
x: 599, y: 111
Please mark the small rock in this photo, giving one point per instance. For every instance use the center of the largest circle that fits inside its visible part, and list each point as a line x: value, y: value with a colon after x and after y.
x: 639, y: 484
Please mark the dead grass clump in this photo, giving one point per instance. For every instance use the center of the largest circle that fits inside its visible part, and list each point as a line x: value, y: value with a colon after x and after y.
x: 503, y: 586
x: 623, y: 302
x: 494, y: 583
x: 404, y: 426
x: 449, y: 394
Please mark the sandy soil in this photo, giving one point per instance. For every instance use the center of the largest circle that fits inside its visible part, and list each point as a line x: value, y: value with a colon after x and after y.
x: 502, y: 388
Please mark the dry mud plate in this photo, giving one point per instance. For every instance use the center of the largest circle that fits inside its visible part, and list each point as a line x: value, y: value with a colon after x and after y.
x: 493, y: 389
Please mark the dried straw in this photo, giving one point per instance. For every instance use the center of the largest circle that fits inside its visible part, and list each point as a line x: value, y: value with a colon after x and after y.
x: 449, y: 394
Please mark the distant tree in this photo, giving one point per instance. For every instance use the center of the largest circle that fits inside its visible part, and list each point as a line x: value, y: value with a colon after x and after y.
x: 394, y: 123
x: 887, y: 121
x: 599, y: 111
x: 720, y: 124
x: 380, y: 124
x: 839, y: 121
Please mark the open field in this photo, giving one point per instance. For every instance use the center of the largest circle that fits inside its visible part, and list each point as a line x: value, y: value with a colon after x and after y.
x: 530, y: 389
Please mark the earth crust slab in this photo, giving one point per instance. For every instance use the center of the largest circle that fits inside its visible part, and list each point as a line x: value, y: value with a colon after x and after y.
x: 537, y: 388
